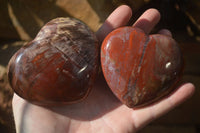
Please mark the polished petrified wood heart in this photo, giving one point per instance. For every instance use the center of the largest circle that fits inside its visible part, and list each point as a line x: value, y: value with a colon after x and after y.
x: 139, y: 68
x: 58, y: 66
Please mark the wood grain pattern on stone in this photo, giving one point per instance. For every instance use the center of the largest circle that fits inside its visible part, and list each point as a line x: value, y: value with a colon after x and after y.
x: 139, y: 68
x: 58, y: 66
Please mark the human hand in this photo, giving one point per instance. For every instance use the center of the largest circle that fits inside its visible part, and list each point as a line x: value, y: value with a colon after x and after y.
x: 101, y: 111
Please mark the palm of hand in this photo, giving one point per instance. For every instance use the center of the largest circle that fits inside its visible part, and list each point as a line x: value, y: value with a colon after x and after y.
x: 101, y: 111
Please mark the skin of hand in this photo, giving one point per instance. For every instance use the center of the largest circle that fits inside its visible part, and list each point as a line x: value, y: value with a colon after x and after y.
x: 101, y: 111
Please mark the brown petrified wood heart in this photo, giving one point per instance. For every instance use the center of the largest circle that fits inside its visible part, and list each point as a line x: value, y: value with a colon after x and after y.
x: 59, y: 66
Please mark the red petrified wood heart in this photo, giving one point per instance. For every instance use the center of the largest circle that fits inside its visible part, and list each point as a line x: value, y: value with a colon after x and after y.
x: 139, y: 68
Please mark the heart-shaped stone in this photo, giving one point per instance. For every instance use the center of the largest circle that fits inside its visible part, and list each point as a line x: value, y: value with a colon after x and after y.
x: 58, y: 66
x: 139, y: 68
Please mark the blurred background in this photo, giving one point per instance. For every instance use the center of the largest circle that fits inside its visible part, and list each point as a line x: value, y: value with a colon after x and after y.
x: 20, y: 21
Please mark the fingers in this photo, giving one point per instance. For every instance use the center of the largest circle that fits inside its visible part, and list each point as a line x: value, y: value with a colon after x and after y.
x: 119, y: 17
x: 146, y: 115
x: 165, y: 32
x: 148, y: 20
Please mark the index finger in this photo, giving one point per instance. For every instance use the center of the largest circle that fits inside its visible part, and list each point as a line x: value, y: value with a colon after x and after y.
x: 119, y: 17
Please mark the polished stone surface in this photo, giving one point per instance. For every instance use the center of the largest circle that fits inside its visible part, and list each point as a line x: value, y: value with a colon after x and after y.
x: 139, y: 68
x: 59, y: 66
